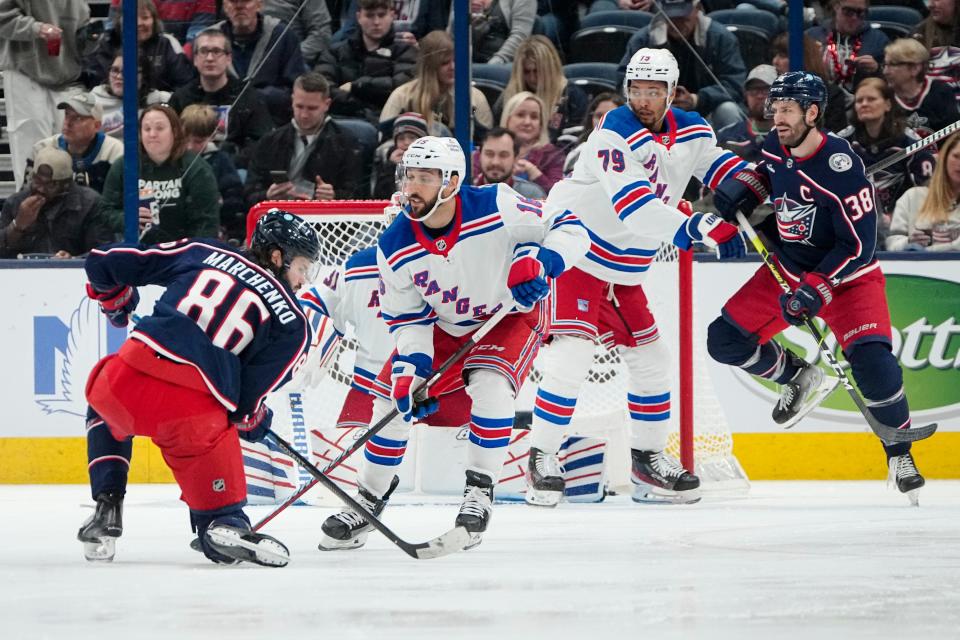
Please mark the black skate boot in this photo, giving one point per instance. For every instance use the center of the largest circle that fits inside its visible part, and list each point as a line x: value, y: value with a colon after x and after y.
x: 100, y: 531
x: 348, y: 529
x: 476, y: 508
x: 659, y: 478
x: 229, y: 539
x: 903, y: 471
x: 545, y: 482
x: 803, y: 393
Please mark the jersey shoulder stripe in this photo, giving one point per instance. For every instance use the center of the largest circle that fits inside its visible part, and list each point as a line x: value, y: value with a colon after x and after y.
x: 363, y: 258
x: 311, y: 299
x: 480, y: 226
x: 624, y: 123
x: 726, y: 165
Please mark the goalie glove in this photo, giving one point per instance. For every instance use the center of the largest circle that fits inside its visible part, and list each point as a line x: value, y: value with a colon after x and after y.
x: 407, y: 373
x: 117, y: 303
x: 716, y: 234
x: 253, y: 427
x: 743, y: 192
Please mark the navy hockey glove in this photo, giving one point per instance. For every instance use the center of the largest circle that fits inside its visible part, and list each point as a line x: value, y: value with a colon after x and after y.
x: 117, y: 303
x: 528, y: 275
x: 742, y: 192
x: 713, y: 232
x: 408, y: 372
x: 813, y: 293
x: 253, y: 427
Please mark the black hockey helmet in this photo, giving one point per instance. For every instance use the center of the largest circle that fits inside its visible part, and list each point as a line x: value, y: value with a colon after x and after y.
x: 802, y: 87
x: 288, y: 232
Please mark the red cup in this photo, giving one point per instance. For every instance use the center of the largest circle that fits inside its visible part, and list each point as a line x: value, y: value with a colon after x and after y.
x: 53, y: 46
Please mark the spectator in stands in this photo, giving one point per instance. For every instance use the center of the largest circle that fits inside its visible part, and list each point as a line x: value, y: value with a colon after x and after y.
x: 599, y: 106
x: 879, y: 130
x: 537, y: 160
x: 838, y: 100
x: 92, y: 152
x: 109, y: 96
x: 406, y: 128
x: 162, y: 53
x: 364, y: 69
x: 414, y: 19
x: 496, y: 159
x: 309, y: 158
x: 537, y: 69
x: 178, y: 192
x: 852, y: 49
x: 624, y: 5
x: 717, y: 55
x: 942, y: 27
x: 431, y: 90
x: 199, y: 126
x: 498, y: 27
x: 183, y: 19
x: 52, y: 214
x: 263, y: 53
x: 312, y: 24
x: 40, y: 60
x: 929, y: 104
x: 243, y: 115
x: 745, y: 138
x: 928, y: 218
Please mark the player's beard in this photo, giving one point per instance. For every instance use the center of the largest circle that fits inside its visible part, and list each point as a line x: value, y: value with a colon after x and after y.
x: 651, y: 119
x: 797, y: 135
x: 427, y: 206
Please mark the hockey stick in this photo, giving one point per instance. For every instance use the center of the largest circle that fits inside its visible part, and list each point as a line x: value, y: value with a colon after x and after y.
x: 451, y: 541
x: 884, y: 432
x: 505, y: 308
x: 908, y: 151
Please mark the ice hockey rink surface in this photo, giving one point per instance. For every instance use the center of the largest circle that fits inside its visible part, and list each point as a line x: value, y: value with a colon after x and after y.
x: 790, y: 560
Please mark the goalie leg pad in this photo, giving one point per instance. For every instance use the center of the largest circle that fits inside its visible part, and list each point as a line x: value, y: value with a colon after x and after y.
x: 880, y: 379
x: 491, y: 421
x: 648, y: 395
x: 566, y: 363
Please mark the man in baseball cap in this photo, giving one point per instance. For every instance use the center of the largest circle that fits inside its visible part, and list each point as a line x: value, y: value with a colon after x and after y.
x: 407, y: 127
x: 745, y: 138
x: 83, y: 104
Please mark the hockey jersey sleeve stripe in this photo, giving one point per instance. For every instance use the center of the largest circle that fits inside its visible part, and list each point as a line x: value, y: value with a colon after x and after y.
x: 311, y: 300
x: 631, y: 198
x: 361, y: 273
x: 405, y: 255
x: 846, y: 219
x: 567, y: 217
x: 724, y: 166
x: 478, y: 227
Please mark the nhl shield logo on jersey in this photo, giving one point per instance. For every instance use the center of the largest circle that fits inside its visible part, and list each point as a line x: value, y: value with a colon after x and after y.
x: 840, y: 162
x: 794, y: 219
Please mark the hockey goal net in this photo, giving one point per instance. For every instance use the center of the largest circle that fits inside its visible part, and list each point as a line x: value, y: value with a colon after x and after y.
x: 700, y: 435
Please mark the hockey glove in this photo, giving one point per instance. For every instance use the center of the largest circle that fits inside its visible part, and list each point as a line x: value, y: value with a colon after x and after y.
x: 813, y: 293
x: 716, y: 234
x: 408, y: 372
x: 117, y: 303
x: 254, y: 426
x: 527, y: 279
x: 743, y: 192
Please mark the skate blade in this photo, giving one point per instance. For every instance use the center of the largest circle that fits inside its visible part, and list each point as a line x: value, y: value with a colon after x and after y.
x: 647, y: 494
x: 825, y: 388
x: 914, y: 497
x: 540, y: 498
x: 102, y: 551
x: 265, y: 552
x: 473, y: 540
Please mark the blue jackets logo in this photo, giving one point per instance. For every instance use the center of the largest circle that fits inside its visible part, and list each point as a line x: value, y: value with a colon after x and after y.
x: 794, y: 219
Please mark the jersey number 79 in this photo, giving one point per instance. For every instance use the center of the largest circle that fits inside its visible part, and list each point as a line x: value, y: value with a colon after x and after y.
x: 612, y: 159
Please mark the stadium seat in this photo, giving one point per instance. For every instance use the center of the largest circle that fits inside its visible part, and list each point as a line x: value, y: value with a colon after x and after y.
x: 899, y: 15
x: 366, y: 135
x: 600, y: 44
x: 754, y: 45
x: 496, y: 73
x: 633, y: 19
x: 893, y: 30
x: 754, y: 18
x: 491, y: 89
x: 593, y: 77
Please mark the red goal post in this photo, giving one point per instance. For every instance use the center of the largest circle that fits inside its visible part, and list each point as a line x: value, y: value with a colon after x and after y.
x: 346, y: 226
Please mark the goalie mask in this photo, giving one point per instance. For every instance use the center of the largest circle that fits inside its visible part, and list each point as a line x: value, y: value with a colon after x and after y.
x: 430, y: 152
x: 289, y: 233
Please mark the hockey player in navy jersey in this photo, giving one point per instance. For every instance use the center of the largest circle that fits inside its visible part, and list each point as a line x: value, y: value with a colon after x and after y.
x: 455, y: 256
x: 823, y: 235
x: 626, y: 187
x: 193, y: 375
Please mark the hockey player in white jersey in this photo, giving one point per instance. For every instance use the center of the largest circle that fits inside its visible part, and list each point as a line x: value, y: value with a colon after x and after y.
x: 626, y: 187
x: 451, y: 261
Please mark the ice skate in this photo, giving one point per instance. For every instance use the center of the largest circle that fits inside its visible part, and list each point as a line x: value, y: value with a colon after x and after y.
x: 903, y: 472
x: 233, y: 538
x: 659, y: 478
x: 803, y: 393
x: 477, y: 507
x: 545, y: 482
x: 348, y: 529
x: 100, y: 531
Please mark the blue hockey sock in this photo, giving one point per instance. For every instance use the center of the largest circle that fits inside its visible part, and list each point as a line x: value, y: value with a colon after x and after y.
x: 108, y: 459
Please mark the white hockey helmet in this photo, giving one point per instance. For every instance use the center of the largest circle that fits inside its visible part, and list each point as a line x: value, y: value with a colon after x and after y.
x: 657, y: 65
x: 432, y: 152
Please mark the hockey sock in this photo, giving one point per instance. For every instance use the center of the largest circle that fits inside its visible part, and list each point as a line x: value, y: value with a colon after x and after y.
x: 880, y: 379
x: 566, y: 363
x: 648, y: 395
x: 773, y: 362
x: 108, y: 458
x: 383, y: 453
x: 727, y: 345
x: 491, y: 422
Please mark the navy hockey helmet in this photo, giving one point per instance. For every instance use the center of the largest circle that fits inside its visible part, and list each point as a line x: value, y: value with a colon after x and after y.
x: 802, y: 87
x: 288, y: 232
